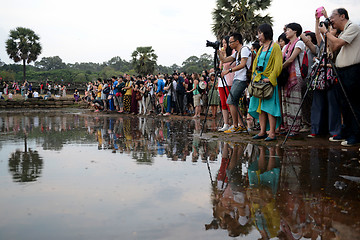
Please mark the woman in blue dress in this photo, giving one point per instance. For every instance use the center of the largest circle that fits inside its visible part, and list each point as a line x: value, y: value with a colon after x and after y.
x: 267, y: 67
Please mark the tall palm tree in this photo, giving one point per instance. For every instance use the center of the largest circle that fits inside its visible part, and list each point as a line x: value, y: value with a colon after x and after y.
x: 144, y: 60
x: 239, y: 16
x: 25, y: 166
x: 23, y: 45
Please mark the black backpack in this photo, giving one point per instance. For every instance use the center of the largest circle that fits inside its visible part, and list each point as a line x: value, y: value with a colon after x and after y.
x: 106, y: 90
x: 120, y: 88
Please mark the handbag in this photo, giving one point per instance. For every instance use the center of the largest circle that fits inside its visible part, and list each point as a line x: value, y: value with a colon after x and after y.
x: 138, y: 95
x: 284, y: 75
x: 322, y: 81
x: 262, y: 90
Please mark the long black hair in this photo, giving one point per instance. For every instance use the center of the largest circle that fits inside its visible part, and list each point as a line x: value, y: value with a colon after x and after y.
x: 228, y: 49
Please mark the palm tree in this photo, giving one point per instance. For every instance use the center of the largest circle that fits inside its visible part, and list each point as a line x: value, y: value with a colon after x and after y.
x: 239, y: 16
x: 24, y: 45
x: 25, y: 166
x: 144, y: 60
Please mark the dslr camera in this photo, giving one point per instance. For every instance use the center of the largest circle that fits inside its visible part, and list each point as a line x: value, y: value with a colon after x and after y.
x: 214, y: 45
x: 260, y: 68
x: 326, y: 23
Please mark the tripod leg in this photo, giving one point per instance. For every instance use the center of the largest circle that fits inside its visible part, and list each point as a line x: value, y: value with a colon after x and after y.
x: 207, y: 109
x: 302, y: 101
x: 294, y: 120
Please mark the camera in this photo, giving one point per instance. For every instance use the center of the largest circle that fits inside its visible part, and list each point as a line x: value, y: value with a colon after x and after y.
x: 260, y: 68
x: 214, y: 45
x: 326, y: 22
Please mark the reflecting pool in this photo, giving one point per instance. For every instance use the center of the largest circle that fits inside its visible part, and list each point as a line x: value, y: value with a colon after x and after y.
x: 72, y: 174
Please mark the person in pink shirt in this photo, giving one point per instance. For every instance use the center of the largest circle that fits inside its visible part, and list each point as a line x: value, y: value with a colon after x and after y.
x: 225, y: 86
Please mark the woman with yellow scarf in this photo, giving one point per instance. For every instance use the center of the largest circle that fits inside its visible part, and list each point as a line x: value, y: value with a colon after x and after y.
x: 267, y: 67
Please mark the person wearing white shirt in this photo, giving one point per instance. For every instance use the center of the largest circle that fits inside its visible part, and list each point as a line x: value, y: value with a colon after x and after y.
x: 242, y: 56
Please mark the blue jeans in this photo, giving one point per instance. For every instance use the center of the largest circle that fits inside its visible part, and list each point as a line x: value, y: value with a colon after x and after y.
x: 168, y: 104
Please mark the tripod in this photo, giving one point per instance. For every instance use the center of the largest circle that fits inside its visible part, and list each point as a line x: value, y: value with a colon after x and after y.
x: 217, y: 74
x: 324, y: 58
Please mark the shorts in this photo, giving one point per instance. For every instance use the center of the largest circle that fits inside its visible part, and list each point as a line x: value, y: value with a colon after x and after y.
x: 197, y: 98
x: 103, y: 96
x: 161, y: 99
x: 237, y: 90
x: 118, y: 101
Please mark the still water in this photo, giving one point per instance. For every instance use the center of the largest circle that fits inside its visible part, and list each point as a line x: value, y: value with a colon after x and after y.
x: 71, y: 174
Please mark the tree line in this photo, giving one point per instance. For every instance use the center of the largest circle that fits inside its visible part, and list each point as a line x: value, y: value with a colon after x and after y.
x: 55, y: 70
x: 23, y: 46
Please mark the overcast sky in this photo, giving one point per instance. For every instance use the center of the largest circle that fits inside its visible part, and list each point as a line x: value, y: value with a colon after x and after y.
x: 96, y: 31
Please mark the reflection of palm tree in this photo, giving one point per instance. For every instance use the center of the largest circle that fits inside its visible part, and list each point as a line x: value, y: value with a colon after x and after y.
x: 25, y: 166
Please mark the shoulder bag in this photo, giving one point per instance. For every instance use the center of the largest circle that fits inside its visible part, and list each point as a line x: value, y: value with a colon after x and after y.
x: 261, y: 89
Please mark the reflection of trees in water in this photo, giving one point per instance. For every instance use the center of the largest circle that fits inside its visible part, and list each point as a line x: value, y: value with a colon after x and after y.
x: 52, y: 142
x: 25, y: 166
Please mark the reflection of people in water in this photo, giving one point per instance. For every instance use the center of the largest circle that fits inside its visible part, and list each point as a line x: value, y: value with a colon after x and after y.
x: 308, y: 214
x: 231, y: 207
x: 293, y: 215
x: 264, y: 176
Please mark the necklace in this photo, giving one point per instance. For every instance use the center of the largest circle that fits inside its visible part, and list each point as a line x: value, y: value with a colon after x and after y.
x: 268, y: 46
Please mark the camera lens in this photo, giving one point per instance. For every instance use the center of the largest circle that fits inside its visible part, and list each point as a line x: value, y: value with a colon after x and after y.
x: 260, y: 68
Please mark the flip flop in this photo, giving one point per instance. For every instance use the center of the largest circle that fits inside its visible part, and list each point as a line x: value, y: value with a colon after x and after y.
x: 260, y: 137
x: 268, y: 139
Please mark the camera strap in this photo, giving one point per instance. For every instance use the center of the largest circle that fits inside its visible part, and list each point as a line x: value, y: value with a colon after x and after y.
x: 236, y: 56
x: 267, y: 51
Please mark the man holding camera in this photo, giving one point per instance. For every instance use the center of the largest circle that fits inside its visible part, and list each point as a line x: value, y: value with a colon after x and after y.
x: 242, y: 56
x: 348, y: 65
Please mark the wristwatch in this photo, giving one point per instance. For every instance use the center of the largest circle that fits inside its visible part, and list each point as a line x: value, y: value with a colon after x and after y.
x: 230, y: 70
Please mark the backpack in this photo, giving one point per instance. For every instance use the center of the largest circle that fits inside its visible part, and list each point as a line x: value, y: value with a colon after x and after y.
x: 120, y: 88
x: 248, y: 70
x: 106, y: 90
x: 304, y: 67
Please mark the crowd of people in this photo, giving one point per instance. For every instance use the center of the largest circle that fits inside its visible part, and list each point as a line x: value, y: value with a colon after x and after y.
x: 27, y: 90
x: 290, y: 68
x: 295, y: 68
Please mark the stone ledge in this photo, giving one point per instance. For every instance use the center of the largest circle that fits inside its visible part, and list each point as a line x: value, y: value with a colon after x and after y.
x: 37, y: 103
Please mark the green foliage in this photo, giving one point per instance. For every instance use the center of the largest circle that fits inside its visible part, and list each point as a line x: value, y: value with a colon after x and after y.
x: 23, y: 45
x: 164, y: 69
x: 144, y: 60
x: 55, y: 70
x: 195, y: 64
x: 118, y: 64
x: 7, y: 75
x: 50, y: 63
x: 239, y: 16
